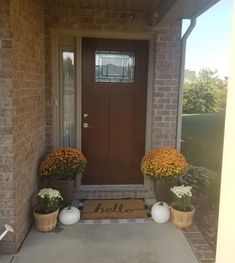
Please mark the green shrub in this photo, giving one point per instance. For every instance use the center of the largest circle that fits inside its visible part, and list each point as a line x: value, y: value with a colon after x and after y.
x: 205, y: 185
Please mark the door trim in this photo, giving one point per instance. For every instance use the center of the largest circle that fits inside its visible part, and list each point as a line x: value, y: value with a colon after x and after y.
x: 55, y: 91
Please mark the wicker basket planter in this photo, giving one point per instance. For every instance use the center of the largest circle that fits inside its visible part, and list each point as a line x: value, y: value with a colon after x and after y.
x: 182, y: 219
x: 45, y: 222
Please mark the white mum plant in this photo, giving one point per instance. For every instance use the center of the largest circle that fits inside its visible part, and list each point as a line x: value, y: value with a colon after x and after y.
x: 49, y: 192
x: 182, y: 196
x: 48, y: 200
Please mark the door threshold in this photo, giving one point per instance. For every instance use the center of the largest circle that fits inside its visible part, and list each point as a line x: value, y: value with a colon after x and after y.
x: 121, y: 187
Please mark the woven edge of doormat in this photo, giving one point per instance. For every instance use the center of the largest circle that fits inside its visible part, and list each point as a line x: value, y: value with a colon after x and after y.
x: 80, y: 205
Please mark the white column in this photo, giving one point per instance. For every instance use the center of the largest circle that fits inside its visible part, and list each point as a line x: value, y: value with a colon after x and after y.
x: 226, y: 231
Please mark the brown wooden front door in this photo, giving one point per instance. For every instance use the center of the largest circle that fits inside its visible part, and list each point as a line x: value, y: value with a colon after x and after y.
x: 114, y: 88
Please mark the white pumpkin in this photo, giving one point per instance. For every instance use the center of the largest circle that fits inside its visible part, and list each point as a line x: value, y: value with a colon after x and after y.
x: 160, y: 212
x: 69, y: 215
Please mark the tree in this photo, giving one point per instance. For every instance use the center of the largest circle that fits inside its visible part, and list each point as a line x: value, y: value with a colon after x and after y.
x: 221, y: 97
x: 202, y: 93
x: 189, y: 75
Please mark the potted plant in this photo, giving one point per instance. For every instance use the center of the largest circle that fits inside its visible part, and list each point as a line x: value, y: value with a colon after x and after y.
x: 46, y: 212
x: 182, y: 210
x: 59, y: 170
x: 164, y: 166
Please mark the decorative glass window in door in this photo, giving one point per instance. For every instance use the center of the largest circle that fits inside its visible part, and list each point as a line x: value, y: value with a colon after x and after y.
x: 114, y: 66
x: 68, y: 99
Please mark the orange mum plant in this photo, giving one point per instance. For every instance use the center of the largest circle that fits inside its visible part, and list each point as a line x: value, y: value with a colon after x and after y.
x: 163, y: 163
x: 63, y: 164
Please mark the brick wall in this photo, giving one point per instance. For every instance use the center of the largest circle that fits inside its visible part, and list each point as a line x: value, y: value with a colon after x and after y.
x: 23, y: 120
x: 166, y: 85
x: 7, y: 211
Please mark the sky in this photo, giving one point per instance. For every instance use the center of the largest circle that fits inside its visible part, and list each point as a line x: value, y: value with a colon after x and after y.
x: 209, y: 43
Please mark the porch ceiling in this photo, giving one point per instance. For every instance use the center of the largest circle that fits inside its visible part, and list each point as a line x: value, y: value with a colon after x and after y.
x: 182, y: 9
x: 122, y: 5
x: 160, y: 10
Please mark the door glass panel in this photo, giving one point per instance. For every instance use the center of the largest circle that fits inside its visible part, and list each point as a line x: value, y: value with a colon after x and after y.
x: 114, y: 66
x: 68, y: 99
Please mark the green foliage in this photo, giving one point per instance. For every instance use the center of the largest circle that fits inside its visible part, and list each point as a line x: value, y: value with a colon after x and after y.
x: 49, y: 201
x: 47, y: 205
x: 205, y: 185
x: 183, y: 203
x: 220, y: 97
x: 198, y: 178
x: 201, y: 92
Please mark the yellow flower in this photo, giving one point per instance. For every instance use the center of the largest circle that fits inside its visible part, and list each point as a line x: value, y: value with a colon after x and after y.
x: 163, y: 163
x: 63, y: 163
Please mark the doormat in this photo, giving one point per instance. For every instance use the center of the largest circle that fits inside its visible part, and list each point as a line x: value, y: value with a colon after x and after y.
x: 114, y: 209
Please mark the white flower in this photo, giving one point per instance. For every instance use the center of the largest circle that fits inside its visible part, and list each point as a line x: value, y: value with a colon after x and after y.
x: 181, y: 191
x: 52, y: 193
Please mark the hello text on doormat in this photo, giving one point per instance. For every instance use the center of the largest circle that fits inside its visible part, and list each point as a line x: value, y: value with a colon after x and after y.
x: 114, y: 209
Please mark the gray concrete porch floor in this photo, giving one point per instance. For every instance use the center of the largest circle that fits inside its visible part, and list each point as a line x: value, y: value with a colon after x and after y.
x: 110, y: 243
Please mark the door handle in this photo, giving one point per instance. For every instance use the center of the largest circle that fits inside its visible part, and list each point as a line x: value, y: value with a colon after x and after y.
x: 86, y: 125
